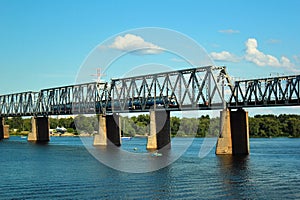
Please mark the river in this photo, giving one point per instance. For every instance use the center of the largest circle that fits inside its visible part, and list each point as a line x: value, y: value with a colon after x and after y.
x: 64, y: 169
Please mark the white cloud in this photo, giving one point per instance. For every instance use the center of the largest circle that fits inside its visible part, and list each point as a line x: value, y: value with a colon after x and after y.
x: 254, y: 55
x: 261, y: 59
x: 285, y: 62
x: 224, y: 56
x: 135, y: 44
x: 229, y: 31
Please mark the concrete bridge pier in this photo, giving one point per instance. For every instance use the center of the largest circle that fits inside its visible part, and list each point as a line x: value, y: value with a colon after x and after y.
x: 4, y: 129
x: 159, y: 136
x: 234, y: 133
x: 109, y: 131
x: 224, y: 144
x: 40, y: 130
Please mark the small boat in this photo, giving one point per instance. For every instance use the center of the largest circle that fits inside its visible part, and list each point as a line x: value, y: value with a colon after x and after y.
x: 23, y: 137
x: 156, y: 154
x: 126, y: 138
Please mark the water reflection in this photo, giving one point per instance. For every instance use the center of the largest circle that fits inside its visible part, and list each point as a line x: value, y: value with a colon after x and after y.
x: 235, y: 173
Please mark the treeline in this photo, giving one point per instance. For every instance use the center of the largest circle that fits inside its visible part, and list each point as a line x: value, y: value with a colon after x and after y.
x: 274, y: 126
x: 199, y: 127
x: 73, y: 125
x: 259, y: 125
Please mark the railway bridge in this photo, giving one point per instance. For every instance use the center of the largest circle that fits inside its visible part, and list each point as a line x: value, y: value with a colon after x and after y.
x: 199, y: 88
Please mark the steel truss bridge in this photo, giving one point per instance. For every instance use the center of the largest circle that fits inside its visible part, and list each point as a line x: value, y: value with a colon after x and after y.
x: 201, y: 88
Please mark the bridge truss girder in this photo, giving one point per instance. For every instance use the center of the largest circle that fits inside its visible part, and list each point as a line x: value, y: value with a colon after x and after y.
x: 72, y: 99
x: 18, y: 104
x: 276, y: 91
x: 189, y: 89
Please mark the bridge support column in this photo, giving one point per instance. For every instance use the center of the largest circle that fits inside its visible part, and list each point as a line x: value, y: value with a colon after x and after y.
x: 239, y: 132
x: 4, y: 129
x: 224, y: 144
x: 108, y: 131
x: 234, y: 133
x: 159, y: 130
x: 39, y: 130
x: 101, y: 137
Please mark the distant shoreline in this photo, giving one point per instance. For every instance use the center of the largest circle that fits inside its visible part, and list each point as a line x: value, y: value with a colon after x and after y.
x: 137, y: 136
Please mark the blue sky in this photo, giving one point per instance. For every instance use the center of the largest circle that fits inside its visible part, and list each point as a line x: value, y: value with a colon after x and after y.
x: 44, y: 43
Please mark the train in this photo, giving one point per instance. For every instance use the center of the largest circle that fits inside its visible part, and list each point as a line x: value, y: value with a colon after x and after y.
x: 132, y: 104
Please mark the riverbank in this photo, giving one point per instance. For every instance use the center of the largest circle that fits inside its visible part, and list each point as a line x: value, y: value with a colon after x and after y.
x: 67, y: 134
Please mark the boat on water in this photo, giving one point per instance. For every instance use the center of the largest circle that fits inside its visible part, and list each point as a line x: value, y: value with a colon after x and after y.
x: 156, y: 154
x: 23, y: 137
x: 126, y: 138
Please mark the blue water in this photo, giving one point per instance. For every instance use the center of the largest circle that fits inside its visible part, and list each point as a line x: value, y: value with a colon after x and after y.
x: 64, y: 169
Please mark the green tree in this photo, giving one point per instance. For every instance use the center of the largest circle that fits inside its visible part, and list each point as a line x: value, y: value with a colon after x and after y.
x: 70, y: 130
x: 53, y: 123
x: 203, y: 127
x: 27, y: 124
x: 189, y: 126
x: 254, y: 126
x: 15, y: 123
x: 175, y: 124
x: 127, y: 126
x: 214, y: 127
x: 84, y: 124
x: 293, y: 126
